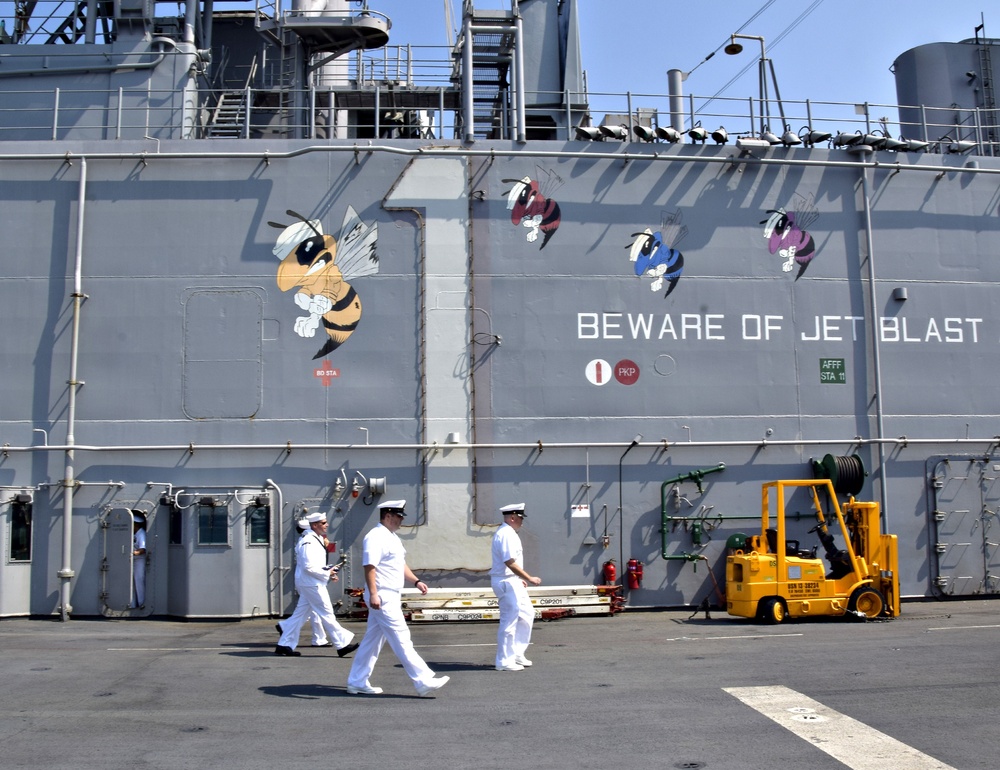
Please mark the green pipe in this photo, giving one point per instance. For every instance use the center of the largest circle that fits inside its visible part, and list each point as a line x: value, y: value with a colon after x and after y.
x: 696, y: 477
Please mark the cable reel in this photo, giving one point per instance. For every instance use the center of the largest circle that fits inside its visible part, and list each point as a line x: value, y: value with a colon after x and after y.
x: 846, y: 472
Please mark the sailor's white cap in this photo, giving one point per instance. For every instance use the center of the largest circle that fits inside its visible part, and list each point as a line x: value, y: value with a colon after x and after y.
x: 312, y: 518
x: 295, y: 234
x: 392, y: 506
x: 517, y: 508
x: 138, y: 518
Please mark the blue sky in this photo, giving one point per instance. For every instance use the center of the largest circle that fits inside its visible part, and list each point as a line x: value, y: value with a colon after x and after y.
x: 840, y: 51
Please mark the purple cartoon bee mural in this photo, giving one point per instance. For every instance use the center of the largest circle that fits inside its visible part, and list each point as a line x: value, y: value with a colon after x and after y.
x: 655, y: 255
x: 532, y: 209
x: 787, y: 236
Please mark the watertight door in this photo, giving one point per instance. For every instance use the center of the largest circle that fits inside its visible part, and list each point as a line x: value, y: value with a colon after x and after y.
x: 118, y: 567
x: 966, y: 531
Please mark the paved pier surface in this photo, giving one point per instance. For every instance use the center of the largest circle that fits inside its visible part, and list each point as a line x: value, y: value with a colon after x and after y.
x: 649, y: 690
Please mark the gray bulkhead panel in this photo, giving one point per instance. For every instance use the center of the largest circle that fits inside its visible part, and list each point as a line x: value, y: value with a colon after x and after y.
x: 588, y: 352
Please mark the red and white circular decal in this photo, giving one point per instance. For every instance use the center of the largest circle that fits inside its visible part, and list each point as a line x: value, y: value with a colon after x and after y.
x: 626, y: 372
x: 598, y: 371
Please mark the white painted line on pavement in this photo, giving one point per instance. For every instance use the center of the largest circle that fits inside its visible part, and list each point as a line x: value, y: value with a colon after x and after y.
x: 847, y: 740
x: 231, y: 649
x: 960, y: 628
x: 723, y: 638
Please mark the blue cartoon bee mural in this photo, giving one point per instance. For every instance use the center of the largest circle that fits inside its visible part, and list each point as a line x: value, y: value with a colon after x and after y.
x: 787, y: 236
x: 530, y: 208
x: 655, y: 255
x: 320, y: 266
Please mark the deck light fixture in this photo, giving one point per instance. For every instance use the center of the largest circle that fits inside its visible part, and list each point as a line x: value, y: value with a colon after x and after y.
x: 644, y: 132
x: 769, y: 136
x: 810, y: 137
x: 589, y: 134
x: 697, y: 133
x: 844, y: 139
x: 790, y: 138
x: 914, y: 145
x: 720, y: 135
x: 668, y: 133
x: 615, y: 132
x: 956, y: 147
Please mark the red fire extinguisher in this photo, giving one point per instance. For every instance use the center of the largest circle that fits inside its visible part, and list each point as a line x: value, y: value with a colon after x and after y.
x: 610, y: 572
x: 634, y: 571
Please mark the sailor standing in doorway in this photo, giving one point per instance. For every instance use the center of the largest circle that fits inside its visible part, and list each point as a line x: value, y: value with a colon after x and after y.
x: 138, y: 559
x: 509, y: 581
x: 311, y: 576
x: 384, y: 561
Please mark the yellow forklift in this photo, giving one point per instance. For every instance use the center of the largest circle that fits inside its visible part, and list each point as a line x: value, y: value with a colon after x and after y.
x: 771, y: 578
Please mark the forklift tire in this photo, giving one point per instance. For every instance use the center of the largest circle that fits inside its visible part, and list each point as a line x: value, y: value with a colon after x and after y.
x: 866, y: 601
x: 772, y: 610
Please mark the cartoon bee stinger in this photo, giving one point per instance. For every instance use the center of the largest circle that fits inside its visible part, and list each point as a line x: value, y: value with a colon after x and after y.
x: 320, y: 267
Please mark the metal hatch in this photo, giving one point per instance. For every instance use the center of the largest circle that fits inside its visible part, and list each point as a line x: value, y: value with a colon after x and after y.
x: 117, y: 588
x: 965, y: 526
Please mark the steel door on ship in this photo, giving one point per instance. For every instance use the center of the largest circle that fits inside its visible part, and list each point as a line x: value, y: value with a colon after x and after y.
x: 965, y: 532
x: 118, y: 566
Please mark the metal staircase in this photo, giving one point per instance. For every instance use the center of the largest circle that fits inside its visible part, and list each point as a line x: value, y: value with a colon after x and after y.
x: 492, y: 55
x: 229, y: 119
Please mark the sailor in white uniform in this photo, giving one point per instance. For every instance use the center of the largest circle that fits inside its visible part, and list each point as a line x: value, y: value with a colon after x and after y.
x: 319, y: 638
x: 509, y: 581
x: 384, y: 561
x: 311, y: 576
x: 139, y: 559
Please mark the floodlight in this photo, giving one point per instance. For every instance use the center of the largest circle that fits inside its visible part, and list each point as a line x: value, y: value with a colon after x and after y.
x: 589, y: 133
x: 645, y: 133
x: 811, y: 137
x: 669, y: 133
x: 720, y: 135
x: 698, y: 134
x: 914, y: 145
x: 844, y: 139
x: 768, y: 136
x: 790, y: 138
x: 615, y: 132
x: 957, y: 147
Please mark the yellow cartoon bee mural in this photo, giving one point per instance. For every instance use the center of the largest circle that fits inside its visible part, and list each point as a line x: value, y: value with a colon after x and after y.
x: 320, y: 266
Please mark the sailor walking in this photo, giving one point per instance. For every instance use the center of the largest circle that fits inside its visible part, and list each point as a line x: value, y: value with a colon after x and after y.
x: 311, y: 576
x: 386, y: 571
x: 509, y: 581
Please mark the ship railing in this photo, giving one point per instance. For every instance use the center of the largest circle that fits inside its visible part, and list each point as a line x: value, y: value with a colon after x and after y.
x: 387, y: 104
x: 886, y: 126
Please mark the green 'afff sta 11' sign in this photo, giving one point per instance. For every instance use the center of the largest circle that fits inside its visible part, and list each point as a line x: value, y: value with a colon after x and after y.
x: 832, y: 370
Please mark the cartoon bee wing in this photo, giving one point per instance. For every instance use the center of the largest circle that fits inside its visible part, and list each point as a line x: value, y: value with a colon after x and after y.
x: 805, y: 211
x: 672, y: 228
x: 549, y: 181
x: 356, y: 255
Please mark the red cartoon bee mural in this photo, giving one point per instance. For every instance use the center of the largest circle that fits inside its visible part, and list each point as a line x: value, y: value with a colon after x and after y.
x: 787, y: 236
x: 531, y: 209
x: 320, y: 266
